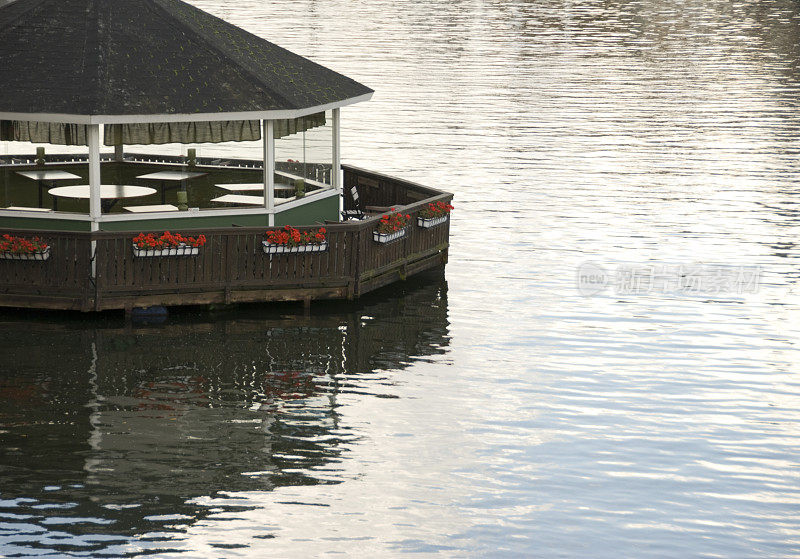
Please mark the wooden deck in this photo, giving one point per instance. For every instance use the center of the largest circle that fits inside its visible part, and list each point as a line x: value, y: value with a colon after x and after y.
x: 232, y: 266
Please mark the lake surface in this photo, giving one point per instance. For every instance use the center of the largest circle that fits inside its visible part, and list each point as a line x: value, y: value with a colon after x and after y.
x: 608, y: 368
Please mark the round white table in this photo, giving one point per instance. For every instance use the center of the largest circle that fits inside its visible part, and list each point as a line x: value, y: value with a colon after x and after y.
x: 112, y: 192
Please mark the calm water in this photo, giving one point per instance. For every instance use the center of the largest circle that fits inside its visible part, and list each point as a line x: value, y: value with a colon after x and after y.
x: 501, y: 411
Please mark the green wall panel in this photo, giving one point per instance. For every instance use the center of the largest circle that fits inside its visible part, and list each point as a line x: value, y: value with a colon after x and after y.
x: 311, y: 213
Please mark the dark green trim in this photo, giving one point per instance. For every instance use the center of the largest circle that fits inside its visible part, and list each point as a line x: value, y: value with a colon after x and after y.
x: 187, y: 223
x: 44, y: 224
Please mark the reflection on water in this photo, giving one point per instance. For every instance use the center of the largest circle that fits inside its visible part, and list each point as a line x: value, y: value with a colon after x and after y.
x: 110, y: 432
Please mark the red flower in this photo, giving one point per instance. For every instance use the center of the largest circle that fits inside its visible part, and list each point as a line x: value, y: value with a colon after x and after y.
x: 293, y: 237
x: 167, y: 240
x: 434, y: 210
x: 22, y: 245
x: 393, y: 222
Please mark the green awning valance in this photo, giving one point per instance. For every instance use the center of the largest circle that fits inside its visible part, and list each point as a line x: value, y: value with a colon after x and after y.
x: 154, y: 132
x: 182, y: 132
x: 283, y: 128
x: 43, y: 132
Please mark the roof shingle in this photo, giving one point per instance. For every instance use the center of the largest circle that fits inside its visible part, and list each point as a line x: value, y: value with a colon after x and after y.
x: 149, y: 57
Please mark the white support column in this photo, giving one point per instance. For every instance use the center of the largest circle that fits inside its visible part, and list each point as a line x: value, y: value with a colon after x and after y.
x: 336, y: 171
x: 269, y: 169
x: 95, y: 209
x: 93, y: 134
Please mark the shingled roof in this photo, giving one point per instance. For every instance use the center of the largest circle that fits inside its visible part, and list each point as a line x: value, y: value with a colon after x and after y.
x: 151, y: 60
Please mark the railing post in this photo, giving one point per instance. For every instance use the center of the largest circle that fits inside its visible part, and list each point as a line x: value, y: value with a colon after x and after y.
x: 356, y: 262
x: 94, y: 281
x: 230, y: 239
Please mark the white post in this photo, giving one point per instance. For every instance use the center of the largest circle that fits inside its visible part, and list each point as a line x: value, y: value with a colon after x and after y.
x: 336, y: 171
x: 269, y: 169
x: 95, y: 210
x: 93, y: 135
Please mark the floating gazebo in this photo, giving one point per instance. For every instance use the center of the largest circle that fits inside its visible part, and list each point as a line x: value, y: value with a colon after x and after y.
x: 130, y: 73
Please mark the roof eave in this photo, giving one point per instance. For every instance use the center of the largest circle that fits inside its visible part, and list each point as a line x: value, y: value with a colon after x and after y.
x: 173, y: 117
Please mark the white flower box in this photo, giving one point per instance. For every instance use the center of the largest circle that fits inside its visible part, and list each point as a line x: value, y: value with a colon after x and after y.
x: 388, y: 237
x: 270, y: 248
x: 428, y: 222
x: 38, y: 256
x: 182, y: 250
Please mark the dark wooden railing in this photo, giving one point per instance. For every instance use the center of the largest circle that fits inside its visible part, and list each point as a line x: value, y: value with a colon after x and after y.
x: 231, y: 267
x: 61, y: 282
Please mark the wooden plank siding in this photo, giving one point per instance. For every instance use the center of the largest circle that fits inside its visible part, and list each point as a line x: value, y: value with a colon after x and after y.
x: 57, y: 283
x: 231, y: 267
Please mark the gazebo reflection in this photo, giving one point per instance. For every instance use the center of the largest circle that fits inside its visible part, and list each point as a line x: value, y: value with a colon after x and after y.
x: 135, y: 422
